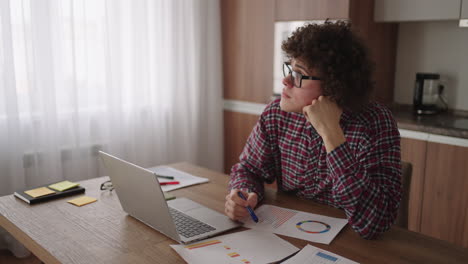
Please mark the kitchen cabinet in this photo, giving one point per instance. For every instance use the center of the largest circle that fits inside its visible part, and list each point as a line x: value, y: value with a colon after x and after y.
x: 287, y: 10
x: 413, y: 151
x: 445, y: 200
x: 416, y: 10
x: 464, y: 10
x: 438, y: 197
x: 237, y: 128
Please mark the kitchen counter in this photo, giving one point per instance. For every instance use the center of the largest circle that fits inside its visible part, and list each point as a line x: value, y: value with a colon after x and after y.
x: 450, y: 123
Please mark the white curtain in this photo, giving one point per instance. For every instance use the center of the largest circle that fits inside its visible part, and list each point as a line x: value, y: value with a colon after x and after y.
x: 140, y: 79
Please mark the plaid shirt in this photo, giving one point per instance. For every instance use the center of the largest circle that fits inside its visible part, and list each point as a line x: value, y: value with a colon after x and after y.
x: 361, y: 176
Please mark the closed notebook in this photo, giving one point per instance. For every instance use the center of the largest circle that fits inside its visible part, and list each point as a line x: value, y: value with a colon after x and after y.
x: 43, y: 193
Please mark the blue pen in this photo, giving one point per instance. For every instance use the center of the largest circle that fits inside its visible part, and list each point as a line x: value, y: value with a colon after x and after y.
x: 251, y: 212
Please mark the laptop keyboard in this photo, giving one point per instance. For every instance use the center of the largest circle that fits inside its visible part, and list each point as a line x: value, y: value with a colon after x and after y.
x: 189, y: 226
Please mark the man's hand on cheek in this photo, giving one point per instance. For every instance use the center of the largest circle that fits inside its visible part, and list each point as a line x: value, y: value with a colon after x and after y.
x: 324, y: 115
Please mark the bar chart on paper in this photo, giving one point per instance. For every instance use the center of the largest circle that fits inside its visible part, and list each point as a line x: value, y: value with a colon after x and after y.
x: 313, y: 255
x: 221, y: 247
x: 307, y: 226
x: 276, y: 216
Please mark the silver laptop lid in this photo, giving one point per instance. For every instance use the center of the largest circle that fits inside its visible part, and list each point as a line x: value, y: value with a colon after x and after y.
x: 140, y: 194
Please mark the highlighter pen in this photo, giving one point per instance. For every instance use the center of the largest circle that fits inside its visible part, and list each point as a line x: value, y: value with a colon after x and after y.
x: 167, y: 183
x: 251, y: 212
x: 164, y: 176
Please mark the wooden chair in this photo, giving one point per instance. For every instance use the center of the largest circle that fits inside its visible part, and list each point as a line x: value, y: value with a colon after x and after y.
x: 402, y: 217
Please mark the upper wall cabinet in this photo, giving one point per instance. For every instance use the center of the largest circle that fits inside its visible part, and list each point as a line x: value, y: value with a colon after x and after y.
x: 287, y: 10
x: 464, y: 9
x: 416, y: 10
x: 464, y: 14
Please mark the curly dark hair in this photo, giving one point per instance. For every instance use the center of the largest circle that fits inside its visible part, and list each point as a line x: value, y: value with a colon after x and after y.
x: 340, y: 58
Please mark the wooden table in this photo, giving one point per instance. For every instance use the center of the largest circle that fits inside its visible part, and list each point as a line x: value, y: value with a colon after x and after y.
x: 58, y: 232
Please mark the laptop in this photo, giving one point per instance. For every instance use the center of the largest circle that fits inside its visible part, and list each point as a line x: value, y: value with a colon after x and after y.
x: 141, y: 197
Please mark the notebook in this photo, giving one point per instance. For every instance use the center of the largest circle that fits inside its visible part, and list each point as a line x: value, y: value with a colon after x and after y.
x: 45, y: 195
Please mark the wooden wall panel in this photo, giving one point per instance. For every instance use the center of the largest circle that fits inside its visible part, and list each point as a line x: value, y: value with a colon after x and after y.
x: 237, y: 128
x: 381, y: 38
x: 248, y: 33
x: 445, y: 200
x: 287, y: 10
x: 414, y: 152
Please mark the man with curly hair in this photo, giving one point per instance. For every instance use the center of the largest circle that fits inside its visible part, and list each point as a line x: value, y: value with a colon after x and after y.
x: 324, y: 139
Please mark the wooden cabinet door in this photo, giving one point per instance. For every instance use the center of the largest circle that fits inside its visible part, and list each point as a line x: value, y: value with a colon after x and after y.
x: 248, y: 36
x: 237, y: 128
x: 445, y: 200
x: 414, y: 152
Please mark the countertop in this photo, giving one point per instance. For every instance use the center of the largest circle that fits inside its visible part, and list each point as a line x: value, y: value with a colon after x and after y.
x: 451, y: 123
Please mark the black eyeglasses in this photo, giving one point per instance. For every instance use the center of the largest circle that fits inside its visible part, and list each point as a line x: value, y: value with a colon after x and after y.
x: 296, y: 78
x: 107, y: 185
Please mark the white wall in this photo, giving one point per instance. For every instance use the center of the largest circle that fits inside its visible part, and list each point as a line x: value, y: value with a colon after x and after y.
x: 440, y: 47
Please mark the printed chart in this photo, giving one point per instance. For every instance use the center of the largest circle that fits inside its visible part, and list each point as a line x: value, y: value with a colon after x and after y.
x: 277, y: 216
x: 229, y: 252
x: 246, y: 247
x: 307, y: 226
x: 313, y: 255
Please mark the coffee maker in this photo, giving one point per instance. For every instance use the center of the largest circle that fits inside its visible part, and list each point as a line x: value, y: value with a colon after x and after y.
x: 427, y: 94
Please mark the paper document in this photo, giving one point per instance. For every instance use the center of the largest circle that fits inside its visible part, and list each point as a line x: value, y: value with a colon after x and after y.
x: 184, y: 179
x: 314, y: 255
x: 246, y: 247
x: 307, y: 226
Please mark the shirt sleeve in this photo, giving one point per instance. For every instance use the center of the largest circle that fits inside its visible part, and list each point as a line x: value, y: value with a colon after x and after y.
x: 368, y: 184
x: 255, y: 163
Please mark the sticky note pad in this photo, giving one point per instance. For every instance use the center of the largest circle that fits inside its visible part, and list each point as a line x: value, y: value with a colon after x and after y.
x: 38, y: 192
x: 64, y: 185
x: 168, y: 196
x: 82, y: 200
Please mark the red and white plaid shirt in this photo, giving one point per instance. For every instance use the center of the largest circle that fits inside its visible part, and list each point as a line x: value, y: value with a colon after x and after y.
x: 361, y: 176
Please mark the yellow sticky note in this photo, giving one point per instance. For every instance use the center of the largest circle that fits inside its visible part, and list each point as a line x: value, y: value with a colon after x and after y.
x: 64, y: 185
x: 82, y: 200
x: 38, y: 192
x: 169, y: 196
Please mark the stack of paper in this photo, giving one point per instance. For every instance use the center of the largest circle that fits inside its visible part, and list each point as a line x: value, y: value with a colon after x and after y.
x: 246, y: 247
x: 184, y: 179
